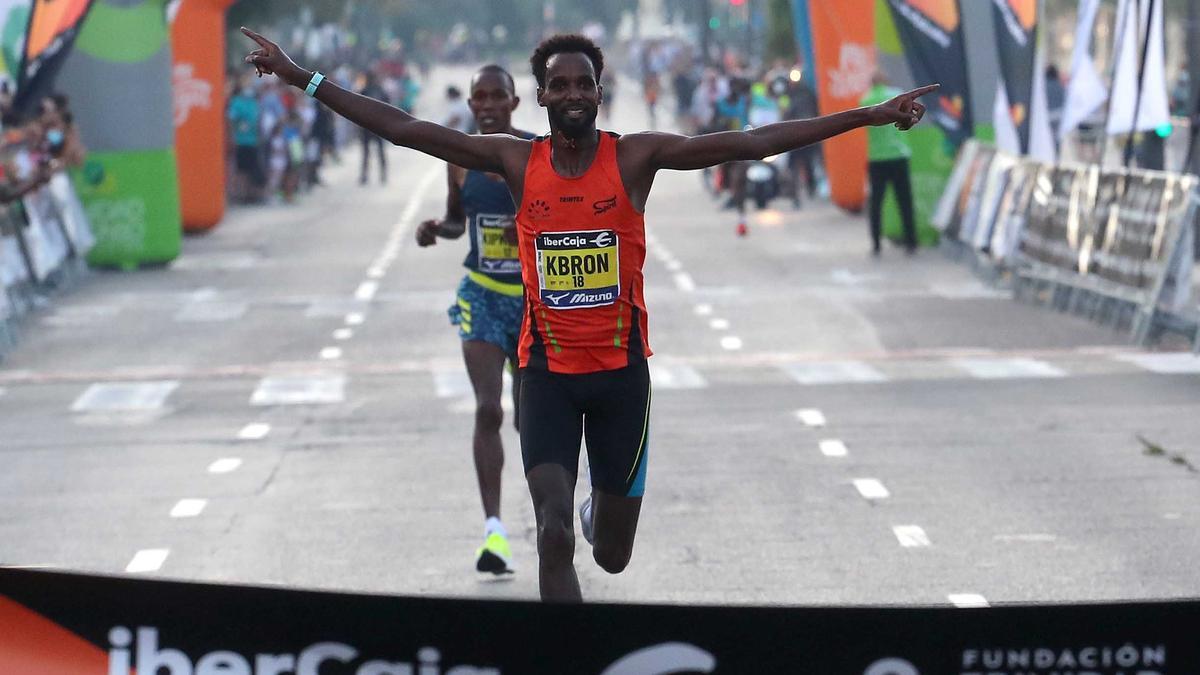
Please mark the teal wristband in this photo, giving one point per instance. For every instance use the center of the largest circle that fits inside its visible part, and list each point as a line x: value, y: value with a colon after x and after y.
x: 315, y: 82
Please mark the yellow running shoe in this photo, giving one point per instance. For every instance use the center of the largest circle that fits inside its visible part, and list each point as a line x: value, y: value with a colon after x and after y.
x: 494, y: 556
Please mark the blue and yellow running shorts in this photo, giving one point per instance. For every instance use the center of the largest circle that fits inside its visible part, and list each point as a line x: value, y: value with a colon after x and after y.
x: 489, y: 311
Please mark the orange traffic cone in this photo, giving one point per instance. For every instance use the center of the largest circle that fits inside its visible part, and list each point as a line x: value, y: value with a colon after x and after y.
x: 742, y: 229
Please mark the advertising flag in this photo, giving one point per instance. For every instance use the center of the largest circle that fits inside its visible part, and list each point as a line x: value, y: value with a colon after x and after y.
x: 1016, y: 42
x: 932, y: 33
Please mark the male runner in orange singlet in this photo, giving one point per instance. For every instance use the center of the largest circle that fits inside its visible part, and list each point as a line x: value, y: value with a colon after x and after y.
x: 581, y: 195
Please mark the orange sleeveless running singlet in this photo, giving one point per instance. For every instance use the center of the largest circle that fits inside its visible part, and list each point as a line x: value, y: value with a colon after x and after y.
x: 582, y: 248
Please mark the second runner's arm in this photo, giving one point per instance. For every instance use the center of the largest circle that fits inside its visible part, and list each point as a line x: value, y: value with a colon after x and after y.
x: 454, y: 224
x: 483, y: 153
x: 698, y: 152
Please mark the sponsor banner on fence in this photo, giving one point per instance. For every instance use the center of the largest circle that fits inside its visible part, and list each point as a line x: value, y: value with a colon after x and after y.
x: 83, y: 625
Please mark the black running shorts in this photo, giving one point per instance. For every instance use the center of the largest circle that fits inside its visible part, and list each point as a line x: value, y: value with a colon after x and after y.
x: 610, y: 408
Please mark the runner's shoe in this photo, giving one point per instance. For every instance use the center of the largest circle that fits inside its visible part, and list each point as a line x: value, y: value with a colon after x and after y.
x: 585, y: 519
x: 494, y: 556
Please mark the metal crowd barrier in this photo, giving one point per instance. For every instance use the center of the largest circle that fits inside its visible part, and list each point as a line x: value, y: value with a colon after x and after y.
x: 1113, y: 245
x: 44, y: 240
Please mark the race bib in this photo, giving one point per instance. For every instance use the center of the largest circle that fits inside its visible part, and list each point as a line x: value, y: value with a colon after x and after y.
x: 578, y: 269
x: 498, y: 252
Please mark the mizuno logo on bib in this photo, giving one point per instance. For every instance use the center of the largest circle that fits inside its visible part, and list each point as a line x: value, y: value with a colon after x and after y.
x: 578, y: 269
x: 498, y: 253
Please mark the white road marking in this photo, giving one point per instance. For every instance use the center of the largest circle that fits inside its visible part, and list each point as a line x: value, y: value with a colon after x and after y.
x: 454, y: 383
x: 968, y: 600
x: 731, y: 343
x: 676, y: 376
x: 376, y: 273
x: 189, y: 508
x: 355, y: 319
x: 811, y: 417
x: 331, y: 353
x: 703, y: 310
x: 366, y: 290
x: 343, y: 334
x: 871, y: 488
x: 125, y: 396
x: 1171, y: 363
x: 254, y: 432
x: 684, y: 282
x: 833, y: 447
x: 674, y: 266
x: 1001, y: 369
x: 911, y: 536
x: 225, y: 465
x: 719, y: 324
x: 147, y: 560
x: 300, y: 390
x: 833, y: 372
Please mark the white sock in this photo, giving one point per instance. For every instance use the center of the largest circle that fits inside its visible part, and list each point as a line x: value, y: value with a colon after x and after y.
x: 494, y: 526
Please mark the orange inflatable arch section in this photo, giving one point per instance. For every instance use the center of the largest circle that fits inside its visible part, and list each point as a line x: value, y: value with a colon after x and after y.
x: 198, y: 41
x: 844, y: 42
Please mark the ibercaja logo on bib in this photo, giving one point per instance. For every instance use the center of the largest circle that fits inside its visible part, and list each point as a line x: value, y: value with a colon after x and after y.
x: 578, y: 269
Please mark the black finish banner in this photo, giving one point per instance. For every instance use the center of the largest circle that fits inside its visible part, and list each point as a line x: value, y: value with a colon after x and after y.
x: 71, y: 624
x: 932, y: 34
x: 1016, y: 42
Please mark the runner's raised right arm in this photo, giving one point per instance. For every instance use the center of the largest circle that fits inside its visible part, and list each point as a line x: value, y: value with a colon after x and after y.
x: 483, y: 153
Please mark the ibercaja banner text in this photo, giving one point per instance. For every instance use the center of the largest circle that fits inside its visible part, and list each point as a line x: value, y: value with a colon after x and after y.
x: 69, y: 624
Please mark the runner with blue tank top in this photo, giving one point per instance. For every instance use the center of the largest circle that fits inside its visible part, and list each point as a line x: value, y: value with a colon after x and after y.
x: 490, y: 302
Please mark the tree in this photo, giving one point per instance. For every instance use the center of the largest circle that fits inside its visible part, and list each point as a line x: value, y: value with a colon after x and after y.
x: 781, y: 35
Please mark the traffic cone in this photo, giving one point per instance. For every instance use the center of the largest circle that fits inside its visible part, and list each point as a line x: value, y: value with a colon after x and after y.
x: 742, y: 229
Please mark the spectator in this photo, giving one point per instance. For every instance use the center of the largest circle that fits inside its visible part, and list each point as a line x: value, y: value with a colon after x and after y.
x: 244, y: 118
x: 372, y: 88
x: 888, y: 164
x: 458, y: 115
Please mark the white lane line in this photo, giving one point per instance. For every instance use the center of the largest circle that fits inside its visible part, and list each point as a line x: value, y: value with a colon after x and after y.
x: 811, y: 417
x: 676, y: 376
x: 719, y: 324
x: 189, y: 508
x: 731, y: 343
x: 376, y: 273
x: 684, y: 282
x: 366, y: 290
x: 1168, y: 364
x: 225, y: 465
x: 343, y: 334
x: 125, y: 396
x: 833, y: 447
x: 674, y: 266
x: 355, y: 319
x: 453, y: 383
x: 300, y: 390
x: 871, y: 488
x: 704, y: 310
x: 1002, y: 369
x: 254, y: 432
x: 911, y: 536
x: 331, y: 353
x: 968, y: 600
x: 147, y: 560
x: 833, y: 372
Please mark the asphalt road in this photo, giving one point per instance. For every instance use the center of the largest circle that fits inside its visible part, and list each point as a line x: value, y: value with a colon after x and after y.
x: 286, y: 404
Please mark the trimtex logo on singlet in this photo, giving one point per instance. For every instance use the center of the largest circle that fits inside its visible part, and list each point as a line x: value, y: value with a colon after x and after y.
x: 578, y: 269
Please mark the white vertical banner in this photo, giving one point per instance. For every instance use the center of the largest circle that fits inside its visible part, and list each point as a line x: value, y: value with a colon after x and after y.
x: 1041, y: 133
x: 1008, y: 139
x: 1154, y: 111
x: 1086, y: 91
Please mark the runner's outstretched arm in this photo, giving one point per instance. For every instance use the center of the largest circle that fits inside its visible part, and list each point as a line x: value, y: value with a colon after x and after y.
x: 483, y: 153
x: 671, y: 151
